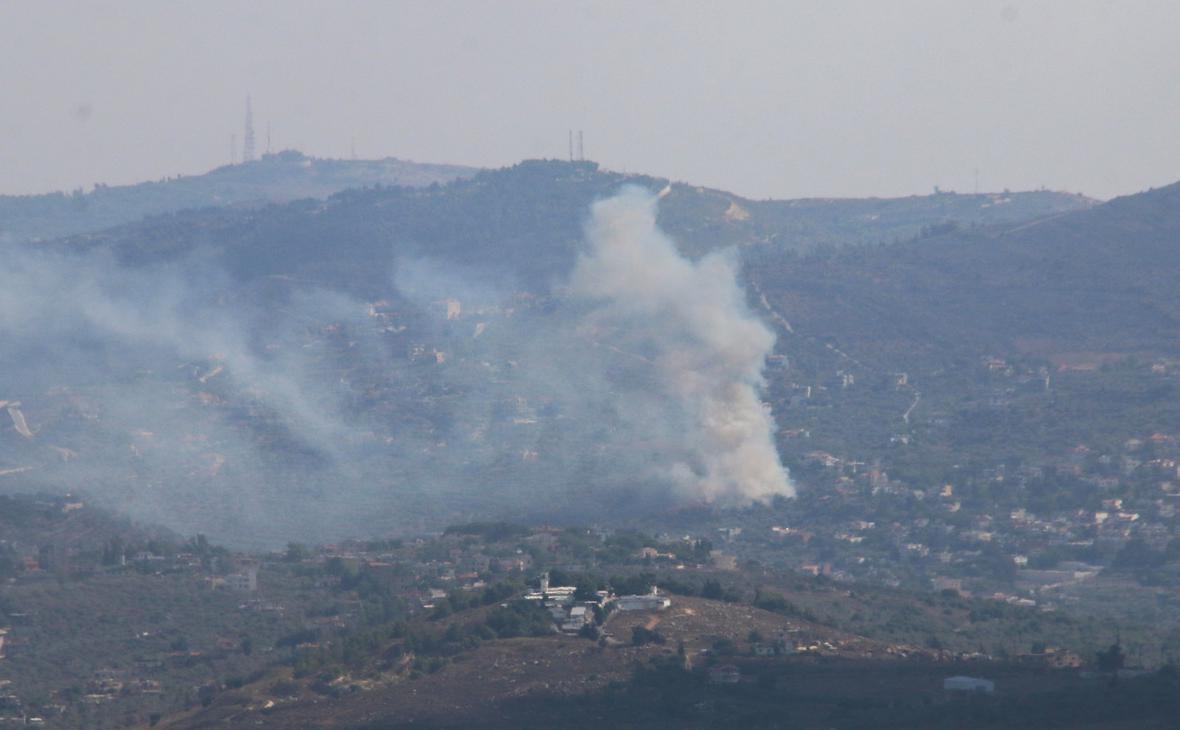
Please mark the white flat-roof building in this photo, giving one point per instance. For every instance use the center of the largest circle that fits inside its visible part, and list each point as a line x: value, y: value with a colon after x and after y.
x: 246, y: 581
x: 552, y: 595
x: 961, y: 683
x: 577, y: 618
x: 651, y: 602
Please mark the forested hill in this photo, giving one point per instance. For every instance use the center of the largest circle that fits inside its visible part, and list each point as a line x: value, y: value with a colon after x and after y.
x: 1086, y: 286
x: 274, y: 178
x: 379, y: 342
x: 526, y: 222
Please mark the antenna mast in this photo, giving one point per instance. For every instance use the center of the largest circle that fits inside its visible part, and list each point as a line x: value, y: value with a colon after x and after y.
x: 581, y: 150
x: 248, y: 139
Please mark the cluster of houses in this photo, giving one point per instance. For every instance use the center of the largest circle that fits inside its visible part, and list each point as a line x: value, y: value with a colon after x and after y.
x: 12, y: 711
x: 107, y: 684
x: 571, y: 614
x: 1134, y: 495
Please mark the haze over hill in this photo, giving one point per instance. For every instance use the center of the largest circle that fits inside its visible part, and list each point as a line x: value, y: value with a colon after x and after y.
x: 694, y: 391
x: 395, y: 358
x: 274, y: 178
x: 970, y: 393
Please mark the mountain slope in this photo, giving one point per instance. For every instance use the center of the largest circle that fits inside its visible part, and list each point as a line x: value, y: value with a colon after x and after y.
x: 272, y: 179
x: 1099, y: 280
x: 394, y: 357
x: 525, y: 222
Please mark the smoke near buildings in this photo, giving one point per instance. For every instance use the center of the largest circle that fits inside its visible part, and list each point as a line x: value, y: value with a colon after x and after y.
x: 274, y: 410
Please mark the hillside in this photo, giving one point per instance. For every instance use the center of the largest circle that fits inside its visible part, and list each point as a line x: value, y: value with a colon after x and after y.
x: 51, y: 532
x: 526, y: 221
x: 275, y: 178
x: 285, y: 368
x: 449, y: 630
x: 1001, y: 344
x: 1094, y: 281
x: 829, y: 679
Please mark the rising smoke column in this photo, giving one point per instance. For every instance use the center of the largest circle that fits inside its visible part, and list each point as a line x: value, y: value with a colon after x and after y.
x: 689, y: 322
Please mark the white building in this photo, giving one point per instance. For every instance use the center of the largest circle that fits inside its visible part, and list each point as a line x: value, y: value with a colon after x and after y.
x: 552, y: 595
x: 961, y: 683
x: 651, y: 602
x: 246, y: 581
x: 577, y: 618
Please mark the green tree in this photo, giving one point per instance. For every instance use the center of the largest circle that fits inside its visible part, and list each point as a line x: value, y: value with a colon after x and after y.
x: 1111, y: 660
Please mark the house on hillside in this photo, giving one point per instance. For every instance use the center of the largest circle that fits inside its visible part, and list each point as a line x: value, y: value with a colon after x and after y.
x: 653, y: 601
x: 552, y: 595
x: 246, y: 580
x: 1052, y: 657
x: 779, y: 647
x: 725, y: 674
x: 577, y: 617
x: 569, y: 614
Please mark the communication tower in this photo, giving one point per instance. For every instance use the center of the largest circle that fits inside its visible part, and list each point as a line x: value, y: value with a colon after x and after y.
x: 248, y: 139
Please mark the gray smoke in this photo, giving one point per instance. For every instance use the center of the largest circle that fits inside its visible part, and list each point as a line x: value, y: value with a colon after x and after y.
x: 689, y: 322
x: 265, y: 410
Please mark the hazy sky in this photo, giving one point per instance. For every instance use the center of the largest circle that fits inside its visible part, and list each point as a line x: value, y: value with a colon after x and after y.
x: 776, y: 99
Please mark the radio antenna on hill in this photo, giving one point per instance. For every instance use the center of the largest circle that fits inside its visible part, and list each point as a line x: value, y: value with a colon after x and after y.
x: 571, y: 145
x: 248, y: 139
x: 581, y: 150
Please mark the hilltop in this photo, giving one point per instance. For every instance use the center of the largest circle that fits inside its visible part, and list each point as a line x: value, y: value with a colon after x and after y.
x: 526, y: 222
x: 274, y: 178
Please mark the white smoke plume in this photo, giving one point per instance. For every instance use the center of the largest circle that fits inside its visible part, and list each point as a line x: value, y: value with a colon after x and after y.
x: 262, y: 410
x: 688, y: 323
